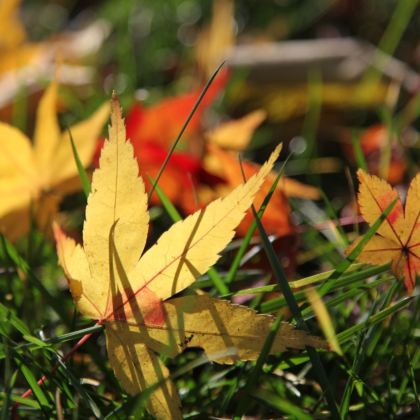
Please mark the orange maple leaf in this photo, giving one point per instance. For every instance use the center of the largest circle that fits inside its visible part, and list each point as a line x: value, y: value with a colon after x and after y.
x: 398, y: 238
x: 162, y: 122
x: 276, y: 218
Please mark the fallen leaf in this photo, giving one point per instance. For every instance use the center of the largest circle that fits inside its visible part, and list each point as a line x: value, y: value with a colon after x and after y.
x: 130, y: 293
x: 236, y: 134
x: 39, y: 175
x: 162, y: 122
x: 179, y: 179
x: 398, y: 238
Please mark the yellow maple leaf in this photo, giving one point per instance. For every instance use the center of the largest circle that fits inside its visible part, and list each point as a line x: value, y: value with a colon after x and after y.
x: 12, y: 32
x: 15, y: 52
x: 131, y: 294
x: 34, y: 177
x: 398, y: 238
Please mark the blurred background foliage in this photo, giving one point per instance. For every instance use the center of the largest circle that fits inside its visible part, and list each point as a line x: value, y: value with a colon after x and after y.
x: 152, y: 41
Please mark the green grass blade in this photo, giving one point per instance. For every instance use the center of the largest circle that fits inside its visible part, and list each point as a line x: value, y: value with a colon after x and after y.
x: 345, y: 264
x: 14, y: 256
x: 374, y: 319
x: 20, y: 108
x: 247, y: 239
x: 400, y: 19
x: 175, y: 143
x: 253, y: 376
x: 281, y: 404
x: 7, y: 376
x: 80, y: 168
x: 333, y: 216
x: 349, y: 280
x: 284, y: 285
x: 358, y: 152
x: 33, y: 384
x: 9, y: 317
x: 75, y: 382
x: 361, y: 354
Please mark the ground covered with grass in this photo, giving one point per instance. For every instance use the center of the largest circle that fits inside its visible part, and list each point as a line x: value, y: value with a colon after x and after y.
x: 327, y: 246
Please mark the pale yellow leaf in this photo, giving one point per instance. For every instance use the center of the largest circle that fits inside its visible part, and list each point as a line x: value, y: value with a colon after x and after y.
x: 236, y: 134
x: 138, y: 368
x: 16, y: 156
x: 33, y: 179
x: 191, y: 246
x: 213, y: 325
x: 47, y: 132
x: 76, y: 268
x: 129, y: 296
x: 85, y: 136
x: 118, y: 201
x: 18, y: 175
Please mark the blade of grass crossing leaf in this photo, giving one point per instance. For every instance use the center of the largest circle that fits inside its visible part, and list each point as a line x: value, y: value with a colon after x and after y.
x: 345, y: 264
x: 80, y: 168
x: 253, y: 376
x: 175, y: 216
x: 247, y: 239
x: 282, y: 280
x: 175, y: 143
